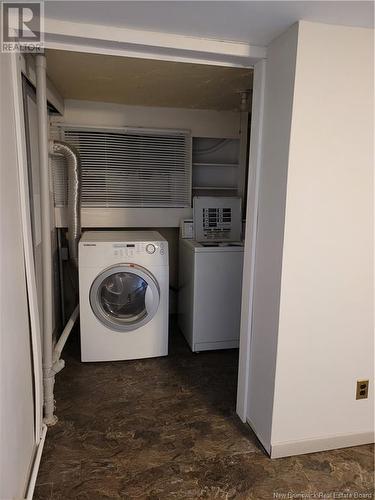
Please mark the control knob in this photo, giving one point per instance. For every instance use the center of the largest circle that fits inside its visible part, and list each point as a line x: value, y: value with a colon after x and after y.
x: 150, y: 248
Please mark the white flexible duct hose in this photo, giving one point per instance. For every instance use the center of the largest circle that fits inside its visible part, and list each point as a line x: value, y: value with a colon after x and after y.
x: 74, y: 195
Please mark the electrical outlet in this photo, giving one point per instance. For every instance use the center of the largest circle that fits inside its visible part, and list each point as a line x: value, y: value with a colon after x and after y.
x: 362, y: 389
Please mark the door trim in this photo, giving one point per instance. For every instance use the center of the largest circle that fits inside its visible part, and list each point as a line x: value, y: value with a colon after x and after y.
x: 111, y: 40
x: 250, y: 240
x: 28, y: 247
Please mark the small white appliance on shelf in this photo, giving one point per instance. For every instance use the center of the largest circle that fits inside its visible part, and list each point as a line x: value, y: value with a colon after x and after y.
x: 210, y: 276
x: 123, y: 284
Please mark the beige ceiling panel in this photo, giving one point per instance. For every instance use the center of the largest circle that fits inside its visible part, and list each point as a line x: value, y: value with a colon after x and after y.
x: 145, y: 82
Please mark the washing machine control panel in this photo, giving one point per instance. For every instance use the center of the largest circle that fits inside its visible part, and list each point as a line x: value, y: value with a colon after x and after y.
x: 97, y: 248
x: 130, y: 250
x: 125, y: 249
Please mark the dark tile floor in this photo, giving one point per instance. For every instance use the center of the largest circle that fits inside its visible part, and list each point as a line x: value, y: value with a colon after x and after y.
x: 166, y: 428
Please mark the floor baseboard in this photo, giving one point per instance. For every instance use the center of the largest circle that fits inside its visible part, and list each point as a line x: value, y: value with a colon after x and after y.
x: 290, y: 448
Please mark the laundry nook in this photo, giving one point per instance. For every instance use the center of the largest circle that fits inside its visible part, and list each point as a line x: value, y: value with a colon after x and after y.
x: 146, y: 167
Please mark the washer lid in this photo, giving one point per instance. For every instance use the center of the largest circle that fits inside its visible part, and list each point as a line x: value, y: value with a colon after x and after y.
x: 124, y: 297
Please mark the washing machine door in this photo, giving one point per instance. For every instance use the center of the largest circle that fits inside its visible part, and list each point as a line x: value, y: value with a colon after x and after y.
x: 125, y: 297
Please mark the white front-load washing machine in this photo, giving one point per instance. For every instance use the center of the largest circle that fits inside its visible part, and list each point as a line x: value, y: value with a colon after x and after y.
x: 123, y: 288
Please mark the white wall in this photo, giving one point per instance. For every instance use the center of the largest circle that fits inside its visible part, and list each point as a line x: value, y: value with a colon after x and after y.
x: 202, y: 123
x: 278, y: 102
x: 326, y: 334
x: 312, y: 330
x: 17, y: 439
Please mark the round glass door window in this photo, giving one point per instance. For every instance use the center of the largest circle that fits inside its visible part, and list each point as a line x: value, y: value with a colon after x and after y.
x: 124, y: 297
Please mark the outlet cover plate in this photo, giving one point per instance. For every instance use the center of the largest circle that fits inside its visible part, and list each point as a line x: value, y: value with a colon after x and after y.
x: 362, y: 389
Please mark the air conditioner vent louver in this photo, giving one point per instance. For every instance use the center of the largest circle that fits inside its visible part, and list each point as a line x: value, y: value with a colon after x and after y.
x: 133, y: 167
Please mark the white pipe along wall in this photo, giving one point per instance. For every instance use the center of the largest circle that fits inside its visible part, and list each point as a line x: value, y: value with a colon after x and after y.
x: 52, y: 363
x: 45, y: 201
x: 58, y: 364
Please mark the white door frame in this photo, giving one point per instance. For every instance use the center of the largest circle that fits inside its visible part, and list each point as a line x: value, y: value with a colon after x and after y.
x: 28, y: 247
x: 40, y: 429
x: 125, y: 42
x: 250, y: 238
x: 91, y: 38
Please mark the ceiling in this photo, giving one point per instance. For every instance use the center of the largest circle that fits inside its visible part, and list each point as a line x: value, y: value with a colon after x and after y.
x: 144, y: 82
x: 254, y: 22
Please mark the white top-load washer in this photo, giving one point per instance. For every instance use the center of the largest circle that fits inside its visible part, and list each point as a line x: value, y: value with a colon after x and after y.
x: 210, y: 275
x: 124, y: 285
x: 209, y: 300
